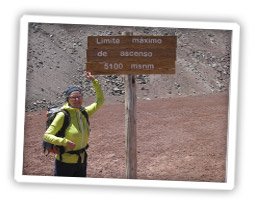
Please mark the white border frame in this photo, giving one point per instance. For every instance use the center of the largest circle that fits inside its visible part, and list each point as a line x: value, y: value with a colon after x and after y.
x: 232, y: 117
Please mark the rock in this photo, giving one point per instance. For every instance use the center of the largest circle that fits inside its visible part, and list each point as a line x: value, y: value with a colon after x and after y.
x: 146, y: 98
x: 214, y: 65
x: 177, y: 86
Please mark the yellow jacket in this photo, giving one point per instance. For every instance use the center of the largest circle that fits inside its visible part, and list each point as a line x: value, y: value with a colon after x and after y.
x: 78, y: 130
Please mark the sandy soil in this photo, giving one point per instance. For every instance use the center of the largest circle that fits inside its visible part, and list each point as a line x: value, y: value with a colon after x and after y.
x: 182, y: 139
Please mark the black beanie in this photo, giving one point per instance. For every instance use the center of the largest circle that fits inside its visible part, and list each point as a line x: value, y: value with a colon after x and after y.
x: 71, y: 89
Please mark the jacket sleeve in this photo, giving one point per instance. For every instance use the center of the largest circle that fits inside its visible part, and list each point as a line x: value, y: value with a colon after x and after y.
x: 91, y: 109
x: 55, y: 126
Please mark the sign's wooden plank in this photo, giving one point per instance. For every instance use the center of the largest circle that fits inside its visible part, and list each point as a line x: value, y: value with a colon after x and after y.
x: 97, y: 55
x: 132, y: 72
x: 135, y: 42
x: 118, y: 67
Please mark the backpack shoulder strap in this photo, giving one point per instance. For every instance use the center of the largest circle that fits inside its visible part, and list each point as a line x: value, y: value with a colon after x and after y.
x: 65, y: 125
x: 84, y: 112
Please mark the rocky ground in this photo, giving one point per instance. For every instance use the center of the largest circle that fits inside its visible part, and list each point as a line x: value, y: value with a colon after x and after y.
x: 182, y: 139
x: 57, y: 57
x: 182, y: 118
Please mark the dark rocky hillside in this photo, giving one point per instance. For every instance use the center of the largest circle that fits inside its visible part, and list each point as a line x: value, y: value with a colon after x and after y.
x: 57, y: 57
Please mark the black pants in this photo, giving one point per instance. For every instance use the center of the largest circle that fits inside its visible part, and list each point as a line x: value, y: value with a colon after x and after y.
x: 70, y: 170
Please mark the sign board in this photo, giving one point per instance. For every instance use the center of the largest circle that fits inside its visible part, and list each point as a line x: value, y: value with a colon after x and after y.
x: 131, y: 54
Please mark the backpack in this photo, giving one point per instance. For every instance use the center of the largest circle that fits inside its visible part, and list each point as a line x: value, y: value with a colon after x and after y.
x: 51, y: 114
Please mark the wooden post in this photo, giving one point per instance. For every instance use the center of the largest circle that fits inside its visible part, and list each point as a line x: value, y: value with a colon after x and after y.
x: 117, y: 55
x: 130, y: 125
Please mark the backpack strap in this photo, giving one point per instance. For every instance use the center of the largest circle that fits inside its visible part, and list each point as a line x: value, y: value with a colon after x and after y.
x: 84, y: 112
x: 62, y: 131
x: 78, y: 152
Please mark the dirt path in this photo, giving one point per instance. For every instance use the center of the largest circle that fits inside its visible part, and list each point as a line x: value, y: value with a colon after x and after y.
x: 182, y: 139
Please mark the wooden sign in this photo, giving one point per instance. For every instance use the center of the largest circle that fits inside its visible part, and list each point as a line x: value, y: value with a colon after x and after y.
x: 110, y: 42
x: 131, y: 54
x: 97, y: 55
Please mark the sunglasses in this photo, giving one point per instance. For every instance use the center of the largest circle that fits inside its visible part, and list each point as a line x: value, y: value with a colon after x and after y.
x: 75, y: 97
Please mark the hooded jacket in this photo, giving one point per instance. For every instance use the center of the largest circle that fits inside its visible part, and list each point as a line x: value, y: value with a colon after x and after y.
x: 78, y: 130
